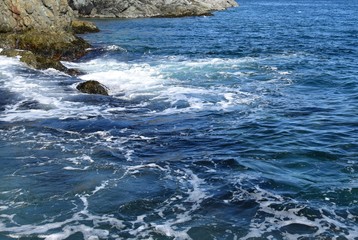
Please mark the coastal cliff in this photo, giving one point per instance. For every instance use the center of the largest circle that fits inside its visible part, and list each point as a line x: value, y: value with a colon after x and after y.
x: 148, y: 8
x: 43, y: 31
x: 22, y: 15
x: 40, y: 32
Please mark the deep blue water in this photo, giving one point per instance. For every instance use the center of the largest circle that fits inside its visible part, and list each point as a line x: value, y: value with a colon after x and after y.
x: 243, y: 125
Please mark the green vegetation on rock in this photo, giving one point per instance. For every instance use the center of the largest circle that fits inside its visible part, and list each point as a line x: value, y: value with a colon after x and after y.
x: 81, y: 27
x: 37, y: 61
x: 55, y: 45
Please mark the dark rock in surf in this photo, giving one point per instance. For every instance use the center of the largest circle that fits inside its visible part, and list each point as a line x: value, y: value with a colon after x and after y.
x: 92, y: 87
x: 74, y: 72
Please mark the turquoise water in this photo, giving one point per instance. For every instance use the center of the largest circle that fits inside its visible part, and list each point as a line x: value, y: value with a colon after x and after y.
x: 243, y: 125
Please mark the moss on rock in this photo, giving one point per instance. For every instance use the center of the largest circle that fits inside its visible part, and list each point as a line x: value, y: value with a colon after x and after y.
x: 37, y: 61
x: 44, y: 49
x: 81, y: 27
x: 50, y: 44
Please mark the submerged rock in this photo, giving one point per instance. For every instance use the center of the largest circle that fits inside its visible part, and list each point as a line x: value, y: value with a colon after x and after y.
x: 92, y: 87
x: 148, y: 8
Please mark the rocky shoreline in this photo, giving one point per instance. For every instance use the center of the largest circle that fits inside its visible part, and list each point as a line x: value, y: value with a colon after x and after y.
x: 42, y: 33
x: 147, y: 8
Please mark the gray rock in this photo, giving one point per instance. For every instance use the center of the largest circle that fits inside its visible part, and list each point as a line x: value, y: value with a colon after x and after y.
x: 92, y: 87
x: 148, y: 8
x: 22, y: 15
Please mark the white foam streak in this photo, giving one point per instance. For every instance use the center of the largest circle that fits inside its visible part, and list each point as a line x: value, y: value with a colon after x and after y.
x: 101, y: 187
x: 68, y: 227
x: 33, y: 229
x: 3, y: 208
x: 137, y: 79
x: 88, y: 233
x: 76, y: 169
x: 168, y: 231
x: 195, y: 196
x: 6, y: 63
x: 150, y: 165
x: 115, y: 48
x: 276, y: 219
x: 63, y: 111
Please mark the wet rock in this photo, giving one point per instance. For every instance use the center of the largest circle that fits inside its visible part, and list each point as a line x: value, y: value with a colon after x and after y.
x: 33, y: 60
x: 38, y: 61
x: 74, y: 72
x: 148, y: 8
x: 81, y: 27
x: 92, y: 87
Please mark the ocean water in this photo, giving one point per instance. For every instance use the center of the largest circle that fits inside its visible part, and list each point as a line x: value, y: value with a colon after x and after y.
x: 242, y: 125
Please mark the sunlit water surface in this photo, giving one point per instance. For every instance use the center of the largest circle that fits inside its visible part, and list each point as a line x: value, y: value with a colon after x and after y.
x: 243, y: 125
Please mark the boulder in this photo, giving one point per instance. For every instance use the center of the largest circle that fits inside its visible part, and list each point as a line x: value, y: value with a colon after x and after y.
x: 148, y: 8
x: 92, y: 87
x: 81, y: 27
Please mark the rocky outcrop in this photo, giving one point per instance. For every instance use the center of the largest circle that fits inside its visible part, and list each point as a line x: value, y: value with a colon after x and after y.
x: 22, y: 15
x: 148, y: 8
x: 43, y: 28
x: 92, y: 87
x: 58, y: 45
